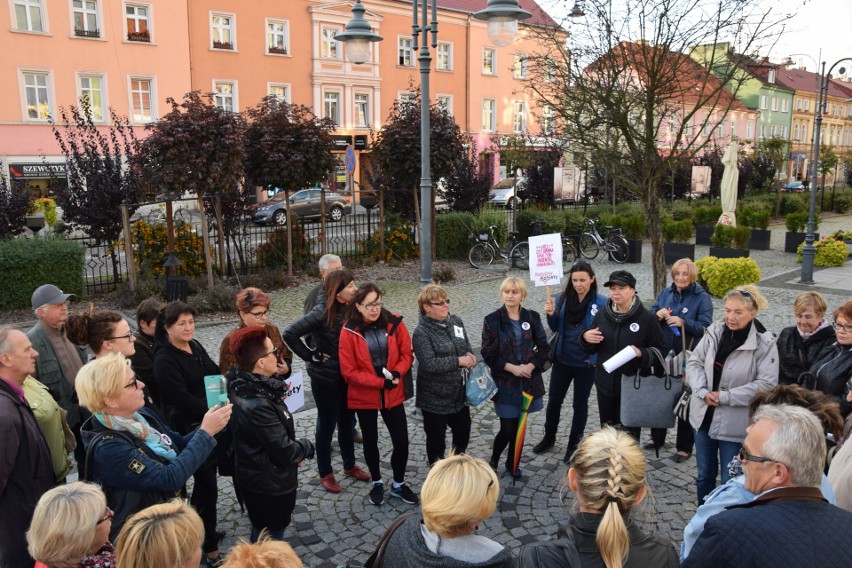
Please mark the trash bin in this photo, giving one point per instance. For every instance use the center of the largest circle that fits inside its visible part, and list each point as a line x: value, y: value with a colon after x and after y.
x: 177, y: 288
x: 537, y: 228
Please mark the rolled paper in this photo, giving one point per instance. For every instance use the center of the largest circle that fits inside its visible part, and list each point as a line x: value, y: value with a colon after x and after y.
x: 619, y: 359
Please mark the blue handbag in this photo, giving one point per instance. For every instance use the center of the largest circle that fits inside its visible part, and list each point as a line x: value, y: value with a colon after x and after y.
x: 479, y: 386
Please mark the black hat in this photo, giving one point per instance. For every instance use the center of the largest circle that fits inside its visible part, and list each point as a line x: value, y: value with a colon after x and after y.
x: 621, y: 278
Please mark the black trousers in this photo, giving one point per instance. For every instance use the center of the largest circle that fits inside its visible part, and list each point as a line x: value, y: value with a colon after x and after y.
x: 205, y: 492
x: 271, y: 512
x: 397, y: 425
x: 685, y: 440
x: 609, y: 408
x: 435, y: 426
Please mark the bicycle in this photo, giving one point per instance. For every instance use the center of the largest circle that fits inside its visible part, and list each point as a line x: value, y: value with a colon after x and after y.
x: 591, y: 241
x: 486, y: 249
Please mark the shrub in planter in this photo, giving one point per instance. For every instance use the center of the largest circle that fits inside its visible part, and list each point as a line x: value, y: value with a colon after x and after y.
x: 45, y: 205
x: 741, y: 236
x: 634, y: 231
x: 677, y: 233
x: 723, y: 236
x: 729, y: 242
x: 796, y: 225
x: 829, y: 252
x: 705, y: 218
x: 756, y: 216
x: 720, y: 275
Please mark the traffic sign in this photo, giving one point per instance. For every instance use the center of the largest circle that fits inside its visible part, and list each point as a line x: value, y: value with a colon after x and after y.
x: 349, y: 159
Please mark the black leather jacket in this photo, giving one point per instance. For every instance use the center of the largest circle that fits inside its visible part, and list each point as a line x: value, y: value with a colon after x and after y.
x: 266, y: 450
x: 326, y: 339
x: 796, y: 356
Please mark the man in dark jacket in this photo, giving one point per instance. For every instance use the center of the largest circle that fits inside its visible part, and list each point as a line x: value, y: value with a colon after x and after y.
x: 26, y: 470
x: 789, y: 523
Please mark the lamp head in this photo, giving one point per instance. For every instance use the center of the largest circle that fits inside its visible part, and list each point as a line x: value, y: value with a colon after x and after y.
x: 358, y: 35
x: 502, y: 17
x: 576, y: 11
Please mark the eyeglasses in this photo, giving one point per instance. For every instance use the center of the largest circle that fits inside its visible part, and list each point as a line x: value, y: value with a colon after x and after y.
x: 847, y: 327
x: 445, y: 302
x: 273, y: 352
x: 134, y: 382
x: 745, y: 456
x: 372, y: 307
x: 259, y: 315
x: 128, y: 336
x: 107, y: 516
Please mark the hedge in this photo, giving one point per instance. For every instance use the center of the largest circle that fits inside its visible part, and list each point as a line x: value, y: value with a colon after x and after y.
x: 455, y: 231
x: 29, y: 263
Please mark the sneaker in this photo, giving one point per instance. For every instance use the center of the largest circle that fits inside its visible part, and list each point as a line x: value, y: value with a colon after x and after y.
x: 377, y: 494
x: 357, y: 473
x: 405, y: 493
x: 330, y: 483
x: 214, y: 562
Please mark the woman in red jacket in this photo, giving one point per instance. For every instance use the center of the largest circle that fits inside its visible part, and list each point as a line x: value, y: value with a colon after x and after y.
x: 375, y: 353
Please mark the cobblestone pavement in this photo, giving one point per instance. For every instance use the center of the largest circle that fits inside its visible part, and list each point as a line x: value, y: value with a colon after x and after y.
x: 328, y: 529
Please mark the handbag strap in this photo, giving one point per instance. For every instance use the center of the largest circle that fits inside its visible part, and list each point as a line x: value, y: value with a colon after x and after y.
x: 383, y: 542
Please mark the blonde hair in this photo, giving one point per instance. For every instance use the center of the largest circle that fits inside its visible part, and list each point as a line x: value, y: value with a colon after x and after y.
x: 812, y: 300
x: 610, y: 478
x: 513, y: 282
x: 750, y: 295
x: 64, y: 524
x: 265, y: 553
x: 691, y: 269
x: 430, y: 293
x: 165, y: 535
x: 458, y: 491
x: 101, y: 379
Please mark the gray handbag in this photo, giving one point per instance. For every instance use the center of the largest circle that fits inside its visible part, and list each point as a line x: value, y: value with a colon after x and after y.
x: 646, y: 402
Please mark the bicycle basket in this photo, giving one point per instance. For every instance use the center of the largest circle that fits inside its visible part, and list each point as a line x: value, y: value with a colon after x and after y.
x: 483, y: 236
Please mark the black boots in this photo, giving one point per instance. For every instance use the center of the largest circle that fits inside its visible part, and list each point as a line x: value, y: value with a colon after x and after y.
x: 545, y: 444
x: 573, y: 442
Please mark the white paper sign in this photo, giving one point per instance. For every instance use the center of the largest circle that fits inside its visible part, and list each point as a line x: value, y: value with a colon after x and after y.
x: 296, y: 393
x: 546, y: 259
x: 619, y: 359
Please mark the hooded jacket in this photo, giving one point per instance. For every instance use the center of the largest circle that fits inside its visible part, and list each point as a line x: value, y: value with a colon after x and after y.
x: 753, y: 366
x: 438, y: 344
x: 795, y: 355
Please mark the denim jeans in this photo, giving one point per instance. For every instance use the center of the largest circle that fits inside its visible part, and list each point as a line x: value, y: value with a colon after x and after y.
x: 560, y: 380
x: 710, y: 454
x: 332, y: 413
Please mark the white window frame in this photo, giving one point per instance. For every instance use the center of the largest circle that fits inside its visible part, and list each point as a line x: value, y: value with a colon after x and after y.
x: 361, y: 104
x: 219, y: 97
x: 807, y: 105
x: 327, y: 100
x: 40, y: 5
x: 749, y: 129
x: 771, y: 76
x: 403, y: 96
x: 774, y: 104
x: 99, y: 28
x: 547, y: 120
x: 444, y: 56
x: 783, y: 131
x: 796, y: 132
x: 519, y: 68
x: 490, y: 114
x: 405, y: 51
x: 231, y: 27
x: 519, y: 117
x: 330, y: 48
x: 149, y: 20
x: 81, y: 91
x: 799, y: 103
x: 720, y: 131
x: 446, y: 101
x: 288, y: 92
x: 733, y: 127
x: 764, y: 102
x: 152, y: 96
x: 784, y: 106
x: 493, y: 53
x: 51, y: 96
x: 283, y: 34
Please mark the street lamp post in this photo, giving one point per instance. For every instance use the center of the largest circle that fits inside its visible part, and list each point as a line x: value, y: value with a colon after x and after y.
x: 502, y: 17
x: 809, y: 250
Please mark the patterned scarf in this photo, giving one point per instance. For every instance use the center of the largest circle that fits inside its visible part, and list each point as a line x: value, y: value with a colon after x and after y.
x: 159, y: 443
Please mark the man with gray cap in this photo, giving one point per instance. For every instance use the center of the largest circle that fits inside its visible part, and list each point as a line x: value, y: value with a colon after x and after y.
x: 58, y: 359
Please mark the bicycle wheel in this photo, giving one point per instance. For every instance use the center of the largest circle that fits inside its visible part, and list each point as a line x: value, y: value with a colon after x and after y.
x: 618, y: 249
x: 520, y: 256
x: 569, y: 255
x: 589, y: 246
x: 480, y: 255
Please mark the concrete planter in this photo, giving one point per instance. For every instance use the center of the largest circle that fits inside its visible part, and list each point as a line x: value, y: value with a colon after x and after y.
x: 728, y: 252
x: 793, y: 240
x: 676, y: 251
x: 759, y: 239
x: 703, y: 234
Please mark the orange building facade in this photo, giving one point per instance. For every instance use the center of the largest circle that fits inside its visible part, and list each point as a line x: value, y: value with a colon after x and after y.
x: 132, y: 55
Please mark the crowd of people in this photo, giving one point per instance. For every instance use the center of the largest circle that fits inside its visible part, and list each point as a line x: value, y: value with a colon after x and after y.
x: 766, y: 416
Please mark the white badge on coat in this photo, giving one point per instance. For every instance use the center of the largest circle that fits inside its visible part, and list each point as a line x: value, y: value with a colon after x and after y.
x: 459, y: 331
x: 634, y: 327
x: 685, y: 309
x: 594, y: 309
x: 166, y: 440
x: 525, y: 326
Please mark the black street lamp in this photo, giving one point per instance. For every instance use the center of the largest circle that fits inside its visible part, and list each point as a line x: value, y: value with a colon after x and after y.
x: 502, y: 17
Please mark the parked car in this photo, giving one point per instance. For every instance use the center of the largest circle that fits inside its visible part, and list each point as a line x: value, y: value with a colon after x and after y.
x: 793, y: 187
x: 507, y: 193
x: 305, y: 203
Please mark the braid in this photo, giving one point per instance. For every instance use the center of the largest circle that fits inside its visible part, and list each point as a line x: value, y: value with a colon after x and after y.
x: 614, y: 489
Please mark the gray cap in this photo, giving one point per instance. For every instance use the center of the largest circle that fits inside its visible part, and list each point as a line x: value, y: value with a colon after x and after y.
x: 48, y: 294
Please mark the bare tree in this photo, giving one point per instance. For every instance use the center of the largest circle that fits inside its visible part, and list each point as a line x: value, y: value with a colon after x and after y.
x: 626, y: 94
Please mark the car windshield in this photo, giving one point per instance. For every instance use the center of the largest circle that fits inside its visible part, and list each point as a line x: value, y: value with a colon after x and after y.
x: 505, y: 184
x: 277, y: 198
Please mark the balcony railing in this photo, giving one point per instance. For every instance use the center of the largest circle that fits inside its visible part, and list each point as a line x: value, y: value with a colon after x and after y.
x: 86, y: 33
x: 223, y: 45
x: 278, y: 50
x: 139, y: 36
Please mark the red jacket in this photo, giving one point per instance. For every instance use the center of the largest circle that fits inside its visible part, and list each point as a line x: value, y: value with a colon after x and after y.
x: 366, y: 389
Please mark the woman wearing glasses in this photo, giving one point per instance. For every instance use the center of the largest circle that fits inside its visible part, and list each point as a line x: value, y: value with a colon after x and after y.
x: 735, y: 359
x: 569, y: 314
x: 375, y: 354
x: 833, y: 368
x: 253, y: 310
x: 132, y: 454
x: 459, y: 494
x: 443, y: 350
x: 327, y: 385
x: 70, y: 528
x: 267, y: 452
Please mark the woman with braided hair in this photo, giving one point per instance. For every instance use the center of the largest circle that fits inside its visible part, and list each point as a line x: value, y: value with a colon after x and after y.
x: 608, y: 479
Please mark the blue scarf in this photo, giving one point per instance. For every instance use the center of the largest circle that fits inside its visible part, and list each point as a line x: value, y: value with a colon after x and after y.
x: 159, y: 443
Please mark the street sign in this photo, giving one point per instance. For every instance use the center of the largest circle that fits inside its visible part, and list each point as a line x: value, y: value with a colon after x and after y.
x: 349, y: 160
